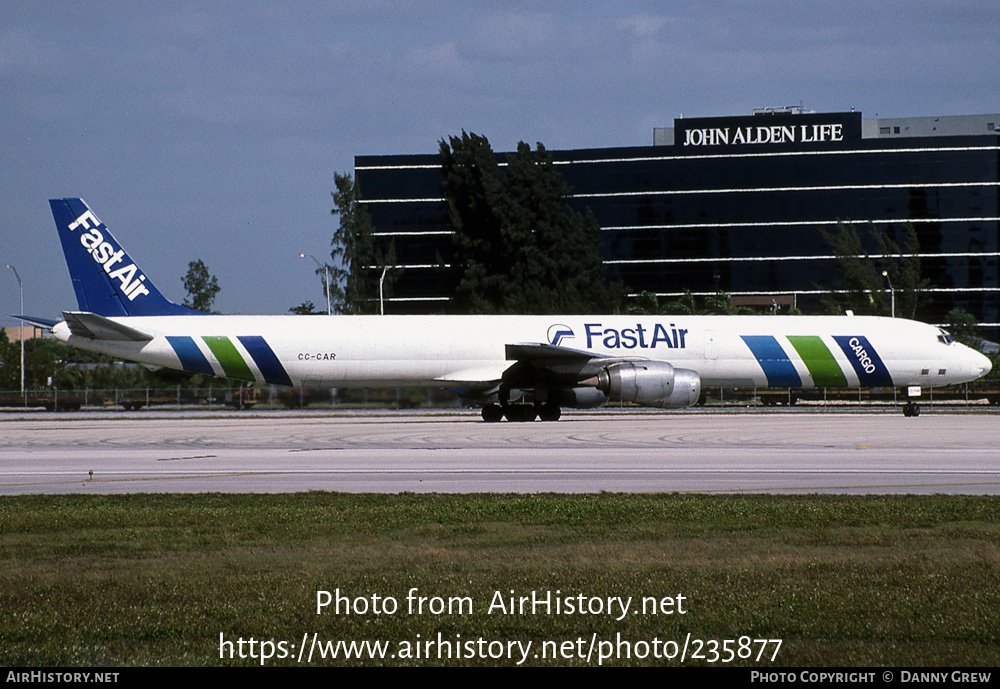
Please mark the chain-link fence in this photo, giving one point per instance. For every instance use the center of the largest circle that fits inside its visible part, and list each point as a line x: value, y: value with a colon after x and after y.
x: 224, y: 397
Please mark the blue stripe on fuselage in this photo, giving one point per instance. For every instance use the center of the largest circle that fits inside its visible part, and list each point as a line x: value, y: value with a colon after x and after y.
x: 865, y: 360
x: 777, y: 366
x: 191, y: 357
x: 266, y: 360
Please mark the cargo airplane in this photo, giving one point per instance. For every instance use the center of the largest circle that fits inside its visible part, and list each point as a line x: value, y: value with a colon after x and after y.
x: 518, y: 367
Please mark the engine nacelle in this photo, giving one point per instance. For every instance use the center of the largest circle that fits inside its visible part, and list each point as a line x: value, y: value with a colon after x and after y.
x: 578, y: 397
x: 650, y: 384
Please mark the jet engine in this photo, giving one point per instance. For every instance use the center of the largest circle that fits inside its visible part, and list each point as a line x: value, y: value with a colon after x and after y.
x: 650, y: 384
x: 578, y: 397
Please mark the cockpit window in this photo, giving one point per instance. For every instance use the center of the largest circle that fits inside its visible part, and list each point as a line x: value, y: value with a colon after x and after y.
x: 944, y: 337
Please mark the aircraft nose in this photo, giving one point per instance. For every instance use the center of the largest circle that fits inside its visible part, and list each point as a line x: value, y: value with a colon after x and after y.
x: 985, y: 364
x: 973, y: 364
x: 979, y: 364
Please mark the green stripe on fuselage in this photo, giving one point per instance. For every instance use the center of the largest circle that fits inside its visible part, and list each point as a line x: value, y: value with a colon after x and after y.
x: 231, y: 360
x: 816, y: 356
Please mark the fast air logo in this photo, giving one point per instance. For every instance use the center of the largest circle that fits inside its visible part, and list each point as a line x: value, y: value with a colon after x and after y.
x: 640, y: 336
x: 557, y: 333
x: 129, y: 278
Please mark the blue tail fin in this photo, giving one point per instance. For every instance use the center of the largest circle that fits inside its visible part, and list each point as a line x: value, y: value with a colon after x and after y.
x: 106, y: 280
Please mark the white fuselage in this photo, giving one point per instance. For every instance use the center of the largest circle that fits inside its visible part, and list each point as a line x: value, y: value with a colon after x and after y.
x: 457, y: 351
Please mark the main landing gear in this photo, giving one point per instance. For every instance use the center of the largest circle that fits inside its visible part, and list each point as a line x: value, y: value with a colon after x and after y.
x: 521, y: 412
x: 911, y: 409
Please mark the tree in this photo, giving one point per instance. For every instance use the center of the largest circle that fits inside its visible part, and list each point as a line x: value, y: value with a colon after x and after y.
x: 518, y: 246
x: 306, y: 308
x: 201, y: 287
x: 359, y: 261
x: 962, y: 326
x: 719, y: 303
x: 556, y: 263
x: 44, y: 358
x: 472, y: 189
x: 864, y: 288
x: 10, y: 363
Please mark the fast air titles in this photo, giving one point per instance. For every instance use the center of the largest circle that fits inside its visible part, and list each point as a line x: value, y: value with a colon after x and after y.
x: 639, y: 337
x: 105, y: 254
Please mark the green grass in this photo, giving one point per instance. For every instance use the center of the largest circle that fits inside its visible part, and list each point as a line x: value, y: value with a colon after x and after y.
x: 842, y: 580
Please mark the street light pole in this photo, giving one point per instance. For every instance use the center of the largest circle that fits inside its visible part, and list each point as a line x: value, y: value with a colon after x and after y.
x: 381, y: 305
x: 326, y: 271
x: 20, y: 286
x: 892, y: 292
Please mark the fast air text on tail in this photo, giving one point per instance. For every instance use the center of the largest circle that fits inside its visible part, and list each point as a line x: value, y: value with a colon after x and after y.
x: 106, y: 279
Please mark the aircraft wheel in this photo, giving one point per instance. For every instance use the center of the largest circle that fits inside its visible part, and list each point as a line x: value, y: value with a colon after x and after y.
x: 492, y: 413
x: 549, y: 412
x: 911, y: 409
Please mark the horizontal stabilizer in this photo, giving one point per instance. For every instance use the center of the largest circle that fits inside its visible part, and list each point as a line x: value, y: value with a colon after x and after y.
x: 36, y: 321
x: 94, y: 327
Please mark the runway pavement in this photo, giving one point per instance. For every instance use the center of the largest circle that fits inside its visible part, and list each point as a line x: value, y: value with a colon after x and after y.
x: 691, y: 451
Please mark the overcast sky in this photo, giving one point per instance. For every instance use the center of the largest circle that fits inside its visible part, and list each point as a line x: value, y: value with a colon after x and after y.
x: 211, y: 130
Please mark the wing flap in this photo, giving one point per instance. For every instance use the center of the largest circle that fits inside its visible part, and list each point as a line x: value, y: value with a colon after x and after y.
x: 570, y: 364
x: 539, y: 352
x: 476, y: 376
x: 94, y: 327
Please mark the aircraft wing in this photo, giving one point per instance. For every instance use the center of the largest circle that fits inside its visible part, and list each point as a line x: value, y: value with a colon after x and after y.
x: 476, y: 376
x: 538, y: 351
x: 560, y: 361
x: 531, y: 358
x: 94, y: 327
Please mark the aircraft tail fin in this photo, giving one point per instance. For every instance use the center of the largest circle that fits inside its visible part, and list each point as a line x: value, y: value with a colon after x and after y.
x: 106, y: 280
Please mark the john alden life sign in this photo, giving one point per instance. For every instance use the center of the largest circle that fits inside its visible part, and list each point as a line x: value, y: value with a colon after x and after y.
x: 824, y: 128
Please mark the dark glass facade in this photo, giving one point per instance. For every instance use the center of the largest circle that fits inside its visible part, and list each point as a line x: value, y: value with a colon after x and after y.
x: 738, y: 204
